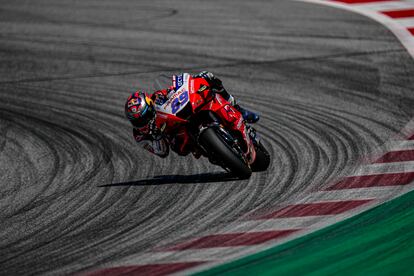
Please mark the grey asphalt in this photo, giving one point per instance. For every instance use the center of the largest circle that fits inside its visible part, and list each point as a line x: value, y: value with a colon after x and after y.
x: 77, y: 193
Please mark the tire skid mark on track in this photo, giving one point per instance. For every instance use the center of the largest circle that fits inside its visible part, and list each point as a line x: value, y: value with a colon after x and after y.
x: 77, y: 125
x: 199, y: 67
x: 320, y: 214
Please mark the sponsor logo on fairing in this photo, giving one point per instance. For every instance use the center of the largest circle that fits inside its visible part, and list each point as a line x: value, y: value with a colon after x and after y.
x: 179, y: 81
x: 192, y: 86
x: 239, y: 123
x: 202, y: 88
x: 162, y: 128
x: 175, y: 95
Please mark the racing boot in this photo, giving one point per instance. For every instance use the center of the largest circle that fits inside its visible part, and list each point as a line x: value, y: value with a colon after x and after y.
x: 248, y: 116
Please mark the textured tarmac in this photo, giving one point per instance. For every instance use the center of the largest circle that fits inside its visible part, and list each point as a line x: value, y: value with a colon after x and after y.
x: 77, y: 193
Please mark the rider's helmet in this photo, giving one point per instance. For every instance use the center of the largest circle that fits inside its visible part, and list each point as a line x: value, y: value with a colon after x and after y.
x: 139, y: 109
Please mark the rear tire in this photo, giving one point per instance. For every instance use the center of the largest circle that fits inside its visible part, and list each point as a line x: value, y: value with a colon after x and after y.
x: 214, y: 144
x: 262, y: 161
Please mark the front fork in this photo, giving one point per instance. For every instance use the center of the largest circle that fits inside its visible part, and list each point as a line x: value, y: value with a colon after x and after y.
x: 231, y: 141
x: 233, y: 121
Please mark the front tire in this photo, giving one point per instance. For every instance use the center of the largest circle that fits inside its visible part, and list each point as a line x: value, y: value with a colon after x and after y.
x: 213, y: 142
x: 262, y: 161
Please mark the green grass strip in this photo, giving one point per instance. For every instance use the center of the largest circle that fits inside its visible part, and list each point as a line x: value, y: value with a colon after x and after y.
x: 379, y: 241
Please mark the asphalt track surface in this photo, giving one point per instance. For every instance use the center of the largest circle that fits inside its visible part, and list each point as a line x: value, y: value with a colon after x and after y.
x: 76, y: 191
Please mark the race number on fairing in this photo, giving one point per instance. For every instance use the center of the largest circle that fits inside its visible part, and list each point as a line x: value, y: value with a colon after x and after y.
x: 179, y: 102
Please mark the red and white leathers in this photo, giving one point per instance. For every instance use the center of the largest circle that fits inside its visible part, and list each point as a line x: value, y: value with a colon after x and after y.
x: 150, y: 138
x: 147, y: 137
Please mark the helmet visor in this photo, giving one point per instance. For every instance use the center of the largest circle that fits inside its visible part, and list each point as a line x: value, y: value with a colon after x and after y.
x: 147, y: 115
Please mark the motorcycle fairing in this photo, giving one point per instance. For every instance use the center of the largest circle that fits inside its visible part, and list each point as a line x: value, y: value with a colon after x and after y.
x: 179, y: 98
x: 197, y: 95
x: 179, y: 80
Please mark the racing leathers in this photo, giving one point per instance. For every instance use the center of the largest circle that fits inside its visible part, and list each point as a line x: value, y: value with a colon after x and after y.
x: 151, y: 138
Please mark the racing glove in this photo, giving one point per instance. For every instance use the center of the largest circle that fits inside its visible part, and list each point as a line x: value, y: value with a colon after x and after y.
x: 160, y: 96
x: 155, y: 132
x: 153, y: 141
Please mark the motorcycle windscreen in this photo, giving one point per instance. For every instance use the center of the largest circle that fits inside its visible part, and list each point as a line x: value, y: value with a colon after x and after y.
x: 163, y: 81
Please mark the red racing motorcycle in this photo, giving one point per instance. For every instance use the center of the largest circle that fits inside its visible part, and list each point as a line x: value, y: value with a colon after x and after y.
x: 204, y: 122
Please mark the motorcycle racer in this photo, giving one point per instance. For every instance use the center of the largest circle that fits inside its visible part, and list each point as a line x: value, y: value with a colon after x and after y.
x: 140, y: 109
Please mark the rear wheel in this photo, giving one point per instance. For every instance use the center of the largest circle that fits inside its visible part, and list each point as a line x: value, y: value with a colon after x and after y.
x: 262, y: 161
x: 216, y: 145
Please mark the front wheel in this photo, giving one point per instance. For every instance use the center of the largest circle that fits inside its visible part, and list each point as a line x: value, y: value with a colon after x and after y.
x: 216, y: 145
x: 262, y: 161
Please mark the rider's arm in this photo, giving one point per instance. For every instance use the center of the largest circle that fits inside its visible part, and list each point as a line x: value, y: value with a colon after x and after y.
x: 156, y: 146
x: 160, y: 96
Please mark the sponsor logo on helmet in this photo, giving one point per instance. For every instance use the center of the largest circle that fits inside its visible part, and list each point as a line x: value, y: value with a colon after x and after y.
x: 134, y: 101
x: 149, y: 101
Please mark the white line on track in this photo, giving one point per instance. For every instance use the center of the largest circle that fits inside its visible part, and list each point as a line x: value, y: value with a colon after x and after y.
x: 408, y: 130
x: 405, y: 37
x: 352, y: 194
x: 216, y: 254
x: 384, y: 6
x: 272, y: 224
x: 401, y: 145
x: 406, y: 22
x: 384, y: 168
x: 167, y: 257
